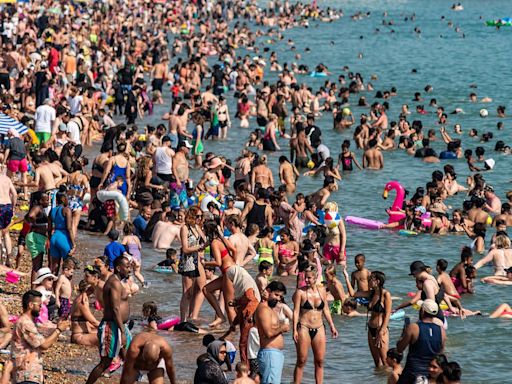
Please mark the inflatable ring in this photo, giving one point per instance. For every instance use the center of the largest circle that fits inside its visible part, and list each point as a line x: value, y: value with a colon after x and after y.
x: 169, y: 323
x: 162, y: 269
x: 443, y: 306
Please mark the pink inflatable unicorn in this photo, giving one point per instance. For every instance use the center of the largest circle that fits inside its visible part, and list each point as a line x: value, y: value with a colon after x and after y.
x: 395, y: 212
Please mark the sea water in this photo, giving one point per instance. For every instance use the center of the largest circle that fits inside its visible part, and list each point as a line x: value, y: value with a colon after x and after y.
x: 449, y: 63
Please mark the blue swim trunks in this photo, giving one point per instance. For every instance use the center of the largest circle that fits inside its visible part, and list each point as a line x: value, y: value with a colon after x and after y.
x: 271, y: 362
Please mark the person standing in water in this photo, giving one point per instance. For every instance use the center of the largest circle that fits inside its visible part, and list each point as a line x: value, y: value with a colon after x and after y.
x: 310, y: 308
x: 113, y: 333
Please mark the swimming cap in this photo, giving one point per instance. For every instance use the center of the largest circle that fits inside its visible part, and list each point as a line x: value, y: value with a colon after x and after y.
x: 346, y: 111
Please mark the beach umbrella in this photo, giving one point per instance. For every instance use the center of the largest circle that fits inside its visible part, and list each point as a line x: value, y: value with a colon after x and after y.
x: 7, y: 122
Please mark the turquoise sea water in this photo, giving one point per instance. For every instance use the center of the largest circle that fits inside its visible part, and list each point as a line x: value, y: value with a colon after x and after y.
x: 450, y: 64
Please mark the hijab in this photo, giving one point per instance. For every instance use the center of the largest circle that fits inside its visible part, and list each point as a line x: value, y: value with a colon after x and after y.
x: 213, y: 350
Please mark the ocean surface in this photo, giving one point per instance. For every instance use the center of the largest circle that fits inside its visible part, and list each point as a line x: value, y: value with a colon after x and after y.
x: 449, y: 63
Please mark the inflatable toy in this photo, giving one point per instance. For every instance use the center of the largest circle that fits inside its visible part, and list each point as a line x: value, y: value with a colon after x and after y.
x: 364, y: 223
x: 398, y: 315
x: 169, y: 323
x: 161, y: 269
x: 405, y: 232
x: 119, y: 198
x: 332, y: 219
x: 318, y: 74
x: 12, y: 277
x: 395, y: 214
x: 484, y: 112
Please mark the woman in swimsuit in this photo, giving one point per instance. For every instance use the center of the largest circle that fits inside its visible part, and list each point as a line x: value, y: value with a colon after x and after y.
x: 287, y: 251
x: 501, y: 256
x: 197, y: 139
x: 266, y: 246
x: 132, y: 244
x: 346, y: 158
x: 119, y: 165
x: 310, y: 308
x: 457, y: 222
x: 98, y: 169
x: 190, y: 266
x: 37, y: 230
x: 84, y: 326
x: 504, y: 311
x: 78, y: 186
x: 221, y: 251
x: 379, y: 311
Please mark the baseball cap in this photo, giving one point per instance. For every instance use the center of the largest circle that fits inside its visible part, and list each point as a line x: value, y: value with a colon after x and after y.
x: 429, y: 306
x: 417, y: 267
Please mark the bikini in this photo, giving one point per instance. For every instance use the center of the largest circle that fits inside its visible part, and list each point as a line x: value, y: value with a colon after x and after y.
x: 265, y: 254
x: 375, y: 308
x: 308, y: 307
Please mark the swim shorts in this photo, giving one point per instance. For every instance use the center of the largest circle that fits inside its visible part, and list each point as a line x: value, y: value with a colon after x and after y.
x: 17, y: 165
x: 5, y: 215
x: 110, y: 208
x: 109, y: 336
x: 333, y: 253
x: 43, y: 136
x: 336, y: 307
x: 36, y: 244
x: 271, y: 362
x: 157, y: 84
x: 65, y: 308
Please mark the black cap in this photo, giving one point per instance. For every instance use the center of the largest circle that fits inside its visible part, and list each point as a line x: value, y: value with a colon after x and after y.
x: 417, y: 267
x: 508, y: 270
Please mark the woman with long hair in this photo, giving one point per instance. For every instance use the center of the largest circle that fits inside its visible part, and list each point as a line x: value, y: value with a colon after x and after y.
x: 190, y: 267
x: 379, y: 311
x: 310, y: 309
x: 222, y: 252
x: 37, y: 226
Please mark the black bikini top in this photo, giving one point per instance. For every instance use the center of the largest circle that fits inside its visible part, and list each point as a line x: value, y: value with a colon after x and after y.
x: 307, y: 305
x: 377, y: 307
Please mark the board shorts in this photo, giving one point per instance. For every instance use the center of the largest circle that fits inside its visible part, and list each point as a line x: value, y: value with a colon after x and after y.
x: 332, y: 253
x: 60, y: 245
x: 6, y: 214
x: 110, y: 208
x: 43, y: 136
x: 17, y: 166
x: 109, y: 336
x: 336, y: 307
x: 36, y: 244
x: 65, y: 308
x: 271, y: 362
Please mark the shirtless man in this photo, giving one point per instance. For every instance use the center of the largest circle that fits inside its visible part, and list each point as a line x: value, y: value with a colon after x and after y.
x: 245, y: 252
x: 114, y: 335
x: 165, y: 232
x: 321, y: 196
x: 148, y: 354
x: 44, y: 179
x: 288, y: 174
x: 262, y: 174
x: 180, y: 166
x: 382, y: 120
x: 159, y: 75
x: 301, y: 148
x: 270, y: 330
x: 8, y: 198
x: 372, y: 158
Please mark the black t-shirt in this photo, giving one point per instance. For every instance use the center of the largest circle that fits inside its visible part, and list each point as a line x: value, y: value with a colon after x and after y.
x: 314, y: 133
x: 17, y: 149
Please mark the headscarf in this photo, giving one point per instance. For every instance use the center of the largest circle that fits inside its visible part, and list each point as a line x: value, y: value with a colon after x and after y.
x: 213, y: 350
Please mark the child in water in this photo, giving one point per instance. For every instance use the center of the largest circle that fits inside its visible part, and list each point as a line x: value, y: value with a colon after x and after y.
x: 150, y: 313
x: 265, y: 272
x: 359, y: 278
x: 171, y: 260
x: 393, y: 359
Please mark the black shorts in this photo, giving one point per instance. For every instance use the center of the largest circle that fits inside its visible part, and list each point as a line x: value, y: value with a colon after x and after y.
x: 94, y: 182
x: 192, y: 274
x: 166, y: 177
x: 157, y: 84
x: 262, y: 122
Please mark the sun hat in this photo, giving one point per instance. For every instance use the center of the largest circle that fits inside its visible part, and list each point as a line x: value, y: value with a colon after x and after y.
x: 43, y: 273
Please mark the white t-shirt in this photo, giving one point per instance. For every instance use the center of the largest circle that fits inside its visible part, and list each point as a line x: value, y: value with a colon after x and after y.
x: 74, y: 132
x: 45, y: 115
x: 323, y: 152
x: 75, y: 106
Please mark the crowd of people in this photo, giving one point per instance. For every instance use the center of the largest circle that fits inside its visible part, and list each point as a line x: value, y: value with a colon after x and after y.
x: 81, y: 79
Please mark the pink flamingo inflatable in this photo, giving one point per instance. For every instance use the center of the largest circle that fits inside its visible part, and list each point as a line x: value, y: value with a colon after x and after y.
x: 394, y: 212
